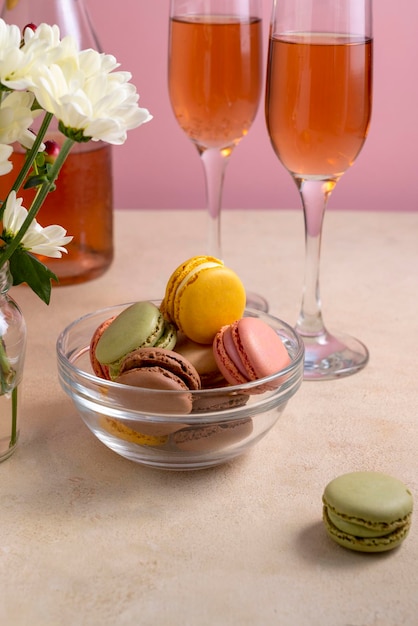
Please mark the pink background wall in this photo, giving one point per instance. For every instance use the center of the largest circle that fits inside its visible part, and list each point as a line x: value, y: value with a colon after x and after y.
x: 158, y: 167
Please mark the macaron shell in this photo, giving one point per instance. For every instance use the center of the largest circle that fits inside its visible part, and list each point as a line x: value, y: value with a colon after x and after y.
x: 372, y: 499
x: 140, y: 324
x: 214, y: 298
x: 351, y: 528
x: 167, y: 360
x: 156, y: 378
x: 219, y: 402
x: 260, y: 349
x: 212, y: 436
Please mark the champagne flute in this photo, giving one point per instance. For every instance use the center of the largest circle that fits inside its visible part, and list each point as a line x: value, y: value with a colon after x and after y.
x: 215, y: 78
x: 318, y: 107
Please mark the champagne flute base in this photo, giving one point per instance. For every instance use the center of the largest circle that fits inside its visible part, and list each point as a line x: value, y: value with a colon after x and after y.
x: 329, y: 356
x: 257, y: 302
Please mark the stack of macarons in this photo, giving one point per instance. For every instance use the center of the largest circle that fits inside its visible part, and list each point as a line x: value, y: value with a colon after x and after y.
x: 196, y: 338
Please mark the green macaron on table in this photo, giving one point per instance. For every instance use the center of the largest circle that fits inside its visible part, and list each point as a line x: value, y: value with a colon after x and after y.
x: 367, y: 511
x: 88, y: 537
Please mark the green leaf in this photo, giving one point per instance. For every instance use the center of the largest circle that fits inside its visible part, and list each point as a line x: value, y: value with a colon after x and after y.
x: 26, y: 268
x: 35, y: 181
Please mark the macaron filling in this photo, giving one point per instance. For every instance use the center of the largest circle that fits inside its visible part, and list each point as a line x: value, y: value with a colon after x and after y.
x: 362, y: 543
x: 192, y: 275
x: 167, y: 339
x: 231, y: 349
x: 361, y: 528
x: 224, y: 357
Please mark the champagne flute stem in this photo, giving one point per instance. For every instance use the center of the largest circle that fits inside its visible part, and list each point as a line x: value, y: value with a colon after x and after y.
x: 314, y: 194
x: 214, y: 164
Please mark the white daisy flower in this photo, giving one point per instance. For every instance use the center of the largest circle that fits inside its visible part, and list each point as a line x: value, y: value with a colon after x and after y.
x: 49, y: 241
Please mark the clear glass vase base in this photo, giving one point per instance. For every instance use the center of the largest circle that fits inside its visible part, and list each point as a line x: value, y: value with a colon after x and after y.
x: 329, y: 356
x: 6, y: 450
x: 257, y: 302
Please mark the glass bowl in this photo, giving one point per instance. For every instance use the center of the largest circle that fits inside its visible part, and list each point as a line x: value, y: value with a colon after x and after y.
x: 150, y: 427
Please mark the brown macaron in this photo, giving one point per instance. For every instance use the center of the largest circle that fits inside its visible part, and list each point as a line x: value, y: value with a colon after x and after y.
x: 158, y: 369
x: 212, y: 437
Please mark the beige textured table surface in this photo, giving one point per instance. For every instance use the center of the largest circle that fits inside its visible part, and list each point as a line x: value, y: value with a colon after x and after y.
x: 89, y: 538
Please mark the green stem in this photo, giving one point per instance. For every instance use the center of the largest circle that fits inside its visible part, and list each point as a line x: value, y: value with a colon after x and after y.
x: 13, y: 435
x: 30, y: 158
x: 7, y: 378
x: 32, y: 153
x: 43, y: 191
x: 6, y: 371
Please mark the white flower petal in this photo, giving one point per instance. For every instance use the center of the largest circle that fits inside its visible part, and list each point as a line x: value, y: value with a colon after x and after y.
x: 16, y: 117
x: 48, y: 241
x: 5, y: 165
x: 14, y: 214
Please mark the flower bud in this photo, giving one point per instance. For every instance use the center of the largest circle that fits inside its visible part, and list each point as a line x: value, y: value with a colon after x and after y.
x: 32, y: 26
x: 51, y: 151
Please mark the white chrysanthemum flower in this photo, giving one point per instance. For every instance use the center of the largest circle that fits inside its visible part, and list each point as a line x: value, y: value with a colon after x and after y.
x: 5, y: 165
x: 16, y: 117
x: 18, y: 64
x: 81, y: 89
x: 89, y: 97
x: 48, y: 241
x: 91, y: 100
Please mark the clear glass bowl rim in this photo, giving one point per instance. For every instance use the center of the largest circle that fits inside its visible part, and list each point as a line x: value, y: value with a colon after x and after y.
x: 293, y: 373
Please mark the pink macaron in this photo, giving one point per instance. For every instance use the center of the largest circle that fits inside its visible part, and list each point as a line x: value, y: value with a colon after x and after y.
x: 102, y: 371
x: 249, y: 349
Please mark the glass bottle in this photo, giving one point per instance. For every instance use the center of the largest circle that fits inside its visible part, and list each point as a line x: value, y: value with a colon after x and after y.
x: 12, y: 356
x: 83, y: 200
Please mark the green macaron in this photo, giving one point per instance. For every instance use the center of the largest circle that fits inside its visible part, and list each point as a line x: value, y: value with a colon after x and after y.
x: 367, y: 511
x: 139, y: 325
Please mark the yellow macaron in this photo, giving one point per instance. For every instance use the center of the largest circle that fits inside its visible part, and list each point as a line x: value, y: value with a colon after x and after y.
x: 202, y: 295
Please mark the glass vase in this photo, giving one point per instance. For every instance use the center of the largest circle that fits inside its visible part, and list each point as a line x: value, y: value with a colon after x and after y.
x: 12, y: 357
x: 83, y: 200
